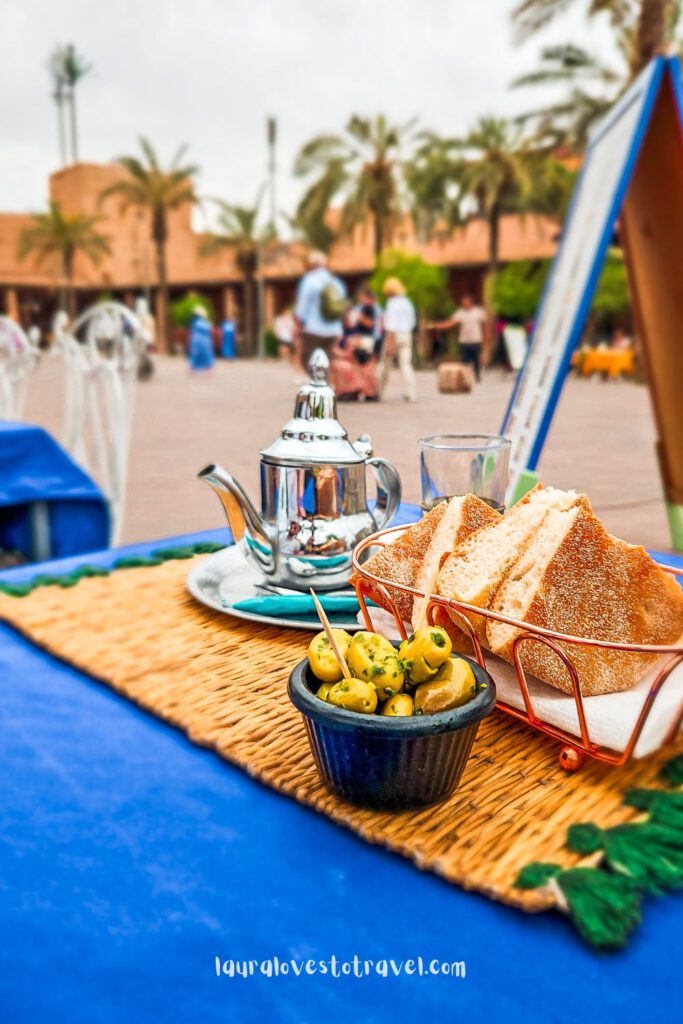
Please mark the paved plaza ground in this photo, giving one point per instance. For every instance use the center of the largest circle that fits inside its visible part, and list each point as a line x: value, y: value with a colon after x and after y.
x: 602, y: 441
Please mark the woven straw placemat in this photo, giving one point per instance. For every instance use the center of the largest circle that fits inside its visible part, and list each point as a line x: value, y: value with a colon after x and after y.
x: 224, y: 681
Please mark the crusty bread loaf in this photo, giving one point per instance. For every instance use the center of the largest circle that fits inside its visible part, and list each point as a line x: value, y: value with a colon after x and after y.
x: 477, y: 567
x: 414, y: 556
x: 400, y: 561
x: 463, y: 517
x: 574, y: 578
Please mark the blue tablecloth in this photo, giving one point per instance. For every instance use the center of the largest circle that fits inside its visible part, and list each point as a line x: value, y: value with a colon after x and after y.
x: 34, y: 468
x: 130, y: 859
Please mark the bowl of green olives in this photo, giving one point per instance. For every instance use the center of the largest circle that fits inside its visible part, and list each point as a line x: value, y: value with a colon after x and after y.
x: 398, y: 731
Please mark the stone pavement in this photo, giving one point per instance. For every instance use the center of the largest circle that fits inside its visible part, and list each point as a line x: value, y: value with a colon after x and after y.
x: 602, y: 441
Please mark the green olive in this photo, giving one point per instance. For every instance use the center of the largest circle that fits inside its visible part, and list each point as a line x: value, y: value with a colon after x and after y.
x: 424, y: 652
x: 365, y: 650
x: 324, y: 690
x: 400, y: 706
x: 452, y: 686
x: 375, y: 660
x: 323, y: 660
x: 353, y: 695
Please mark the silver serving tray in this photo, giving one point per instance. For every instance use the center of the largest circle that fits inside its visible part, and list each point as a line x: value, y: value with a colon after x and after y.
x: 223, y: 579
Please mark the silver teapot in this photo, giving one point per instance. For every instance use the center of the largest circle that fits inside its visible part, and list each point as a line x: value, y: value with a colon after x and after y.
x: 313, y: 498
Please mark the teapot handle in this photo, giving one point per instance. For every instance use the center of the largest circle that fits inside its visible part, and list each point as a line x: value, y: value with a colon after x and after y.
x: 388, y: 491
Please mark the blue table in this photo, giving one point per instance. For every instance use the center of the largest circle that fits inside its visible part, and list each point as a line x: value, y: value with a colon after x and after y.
x: 130, y: 859
x: 48, y: 506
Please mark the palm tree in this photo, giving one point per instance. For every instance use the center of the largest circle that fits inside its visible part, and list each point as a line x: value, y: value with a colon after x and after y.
x: 239, y: 231
x: 67, y: 68
x: 567, y: 123
x: 74, y: 69
x: 503, y: 172
x: 363, y: 168
x: 310, y: 221
x: 652, y: 23
x: 56, y: 69
x: 157, y: 191
x: 432, y: 177
x: 63, y: 235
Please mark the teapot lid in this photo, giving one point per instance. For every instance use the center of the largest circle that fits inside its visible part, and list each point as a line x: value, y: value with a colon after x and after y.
x: 314, y: 434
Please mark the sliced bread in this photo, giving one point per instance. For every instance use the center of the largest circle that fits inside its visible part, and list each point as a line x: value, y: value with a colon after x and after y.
x: 463, y: 517
x: 574, y: 578
x: 414, y: 558
x: 400, y: 561
x: 477, y: 567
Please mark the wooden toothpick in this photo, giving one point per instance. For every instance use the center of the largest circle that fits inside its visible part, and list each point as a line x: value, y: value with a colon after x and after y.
x: 429, y: 589
x: 330, y: 635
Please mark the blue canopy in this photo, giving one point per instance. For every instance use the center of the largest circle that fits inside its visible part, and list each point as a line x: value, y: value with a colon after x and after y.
x: 36, y: 474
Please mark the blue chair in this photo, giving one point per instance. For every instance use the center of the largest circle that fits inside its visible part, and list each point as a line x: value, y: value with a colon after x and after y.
x: 49, y: 508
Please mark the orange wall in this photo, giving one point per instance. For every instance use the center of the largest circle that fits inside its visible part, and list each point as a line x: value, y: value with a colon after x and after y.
x: 132, y: 265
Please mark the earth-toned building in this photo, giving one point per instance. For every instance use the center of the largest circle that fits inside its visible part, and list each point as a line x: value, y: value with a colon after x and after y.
x: 29, y: 292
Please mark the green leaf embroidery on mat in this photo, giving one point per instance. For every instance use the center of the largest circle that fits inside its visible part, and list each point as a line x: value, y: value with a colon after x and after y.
x: 207, y: 547
x: 638, y: 857
x: 16, y: 589
x: 663, y: 808
x: 136, y: 562
x: 85, y: 571
x: 70, y: 579
x: 168, y: 554
x: 536, y: 875
x: 45, y: 580
x: 650, y: 855
x: 604, y: 907
x: 672, y: 771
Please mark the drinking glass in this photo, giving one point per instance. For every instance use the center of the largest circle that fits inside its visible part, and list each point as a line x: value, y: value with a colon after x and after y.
x: 457, y: 464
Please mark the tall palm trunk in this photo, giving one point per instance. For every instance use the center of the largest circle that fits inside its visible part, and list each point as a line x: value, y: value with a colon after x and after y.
x: 492, y: 270
x: 74, y: 132
x: 59, y: 101
x: 159, y: 234
x: 650, y: 32
x: 250, y: 314
x: 494, y: 239
x: 378, y: 226
x: 69, y: 294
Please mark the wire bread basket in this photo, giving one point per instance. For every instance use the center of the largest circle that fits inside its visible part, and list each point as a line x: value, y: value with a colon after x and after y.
x: 574, y: 748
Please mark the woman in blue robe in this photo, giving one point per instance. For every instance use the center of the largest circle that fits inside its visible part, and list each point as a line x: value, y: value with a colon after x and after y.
x: 200, y: 349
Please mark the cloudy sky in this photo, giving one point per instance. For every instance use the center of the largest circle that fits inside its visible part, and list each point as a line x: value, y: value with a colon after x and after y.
x: 209, y: 72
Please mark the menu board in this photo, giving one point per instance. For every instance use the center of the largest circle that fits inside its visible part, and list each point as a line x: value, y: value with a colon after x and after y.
x: 598, y: 197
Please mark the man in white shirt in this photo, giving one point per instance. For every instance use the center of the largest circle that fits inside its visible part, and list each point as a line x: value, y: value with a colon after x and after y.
x: 399, y: 324
x: 472, y: 322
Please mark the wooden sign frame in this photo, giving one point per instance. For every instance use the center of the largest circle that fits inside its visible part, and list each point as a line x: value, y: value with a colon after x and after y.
x: 643, y: 185
x: 651, y: 229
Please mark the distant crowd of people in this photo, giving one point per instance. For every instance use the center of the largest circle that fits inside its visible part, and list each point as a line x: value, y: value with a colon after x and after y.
x: 364, y: 339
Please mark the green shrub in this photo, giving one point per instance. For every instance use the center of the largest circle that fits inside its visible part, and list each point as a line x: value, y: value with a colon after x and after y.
x: 612, y: 295
x: 425, y: 283
x: 182, y: 310
x: 270, y: 345
x: 515, y: 292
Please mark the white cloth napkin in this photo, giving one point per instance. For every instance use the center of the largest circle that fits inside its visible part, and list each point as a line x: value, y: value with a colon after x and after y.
x: 611, y: 717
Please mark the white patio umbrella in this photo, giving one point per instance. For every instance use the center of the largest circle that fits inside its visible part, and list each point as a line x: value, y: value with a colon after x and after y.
x: 18, y: 359
x: 102, y: 352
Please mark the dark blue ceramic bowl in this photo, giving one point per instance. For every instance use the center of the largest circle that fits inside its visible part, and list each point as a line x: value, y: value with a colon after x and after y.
x: 390, y: 763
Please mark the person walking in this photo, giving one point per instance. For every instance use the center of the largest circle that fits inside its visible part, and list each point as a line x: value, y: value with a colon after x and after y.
x: 472, y: 323
x: 399, y: 323
x: 200, y: 351
x: 319, y: 309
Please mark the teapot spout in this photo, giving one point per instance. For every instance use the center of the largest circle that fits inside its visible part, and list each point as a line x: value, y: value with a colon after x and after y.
x: 246, y: 524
